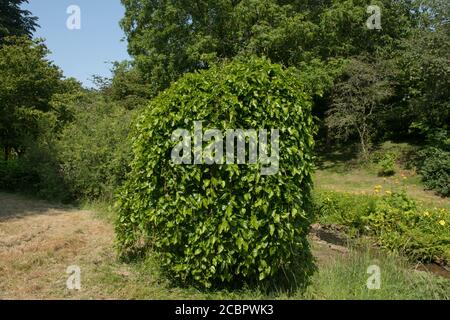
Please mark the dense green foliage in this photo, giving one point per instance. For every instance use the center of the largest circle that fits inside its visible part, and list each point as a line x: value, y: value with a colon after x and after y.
x: 433, y: 162
x: 421, y: 71
x: 93, y: 149
x: 15, y: 21
x: 356, y: 96
x: 127, y: 87
x: 387, y: 164
x: 401, y: 225
x: 36, y: 171
x: 360, y: 86
x: 79, y: 149
x: 395, y: 220
x: 241, y: 226
x: 435, y: 170
x: 28, y: 82
x: 170, y: 38
x: 28, y: 119
x: 397, y: 76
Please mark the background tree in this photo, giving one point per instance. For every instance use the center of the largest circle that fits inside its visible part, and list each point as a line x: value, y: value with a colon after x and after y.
x: 15, y: 21
x: 27, y: 83
x: 92, y: 149
x: 422, y: 75
x: 170, y: 38
x: 357, y: 97
x: 128, y: 87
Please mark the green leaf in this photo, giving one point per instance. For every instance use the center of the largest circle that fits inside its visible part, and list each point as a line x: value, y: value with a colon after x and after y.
x: 272, y: 229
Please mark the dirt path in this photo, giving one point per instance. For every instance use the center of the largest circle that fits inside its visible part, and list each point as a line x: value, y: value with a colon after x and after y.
x: 39, y: 241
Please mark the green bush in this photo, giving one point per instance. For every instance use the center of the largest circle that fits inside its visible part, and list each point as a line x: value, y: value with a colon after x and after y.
x: 433, y: 161
x: 223, y: 225
x: 387, y: 165
x: 36, y: 170
x: 42, y: 174
x: 85, y: 156
x: 13, y: 175
x: 36, y: 173
x: 434, y: 168
x: 402, y: 225
x: 343, y: 209
x: 396, y: 221
x: 93, y: 149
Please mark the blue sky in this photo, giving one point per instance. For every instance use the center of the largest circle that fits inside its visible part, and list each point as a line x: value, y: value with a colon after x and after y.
x: 82, y: 53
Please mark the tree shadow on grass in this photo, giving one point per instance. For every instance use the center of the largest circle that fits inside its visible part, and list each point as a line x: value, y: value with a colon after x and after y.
x: 14, y: 206
x: 338, y: 159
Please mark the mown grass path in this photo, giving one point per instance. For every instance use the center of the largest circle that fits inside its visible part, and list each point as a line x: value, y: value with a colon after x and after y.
x: 38, y: 241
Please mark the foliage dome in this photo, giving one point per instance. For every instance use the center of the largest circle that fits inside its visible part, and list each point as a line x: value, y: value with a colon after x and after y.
x: 223, y: 223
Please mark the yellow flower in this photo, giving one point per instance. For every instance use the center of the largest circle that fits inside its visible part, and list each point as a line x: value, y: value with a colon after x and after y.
x: 388, y: 192
x: 442, y: 223
x: 426, y: 214
x: 377, y: 189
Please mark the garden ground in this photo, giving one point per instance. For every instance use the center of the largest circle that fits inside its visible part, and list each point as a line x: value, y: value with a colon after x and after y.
x: 38, y: 241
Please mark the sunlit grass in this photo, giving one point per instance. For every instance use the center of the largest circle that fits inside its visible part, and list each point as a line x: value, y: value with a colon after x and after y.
x: 342, y: 277
x: 346, y: 278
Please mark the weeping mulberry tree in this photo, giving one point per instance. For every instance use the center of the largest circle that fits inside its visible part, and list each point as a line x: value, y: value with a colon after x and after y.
x: 217, y: 223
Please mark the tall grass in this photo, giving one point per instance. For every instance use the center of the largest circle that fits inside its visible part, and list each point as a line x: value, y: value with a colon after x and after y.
x: 346, y: 278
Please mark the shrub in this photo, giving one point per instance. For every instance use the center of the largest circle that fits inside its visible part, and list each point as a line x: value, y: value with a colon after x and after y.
x: 396, y: 221
x: 343, y: 209
x: 434, y: 167
x: 223, y: 225
x: 433, y: 161
x: 42, y: 176
x: 402, y: 225
x: 36, y: 169
x: 13, y: 175
x: 85, y: 156
x: 36, y: 173
x: 387, y: 165
x: 93, y: 149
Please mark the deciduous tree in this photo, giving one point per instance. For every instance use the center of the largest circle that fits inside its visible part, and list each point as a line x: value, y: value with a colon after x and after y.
x: 27, y: 83
x: 14, y: 21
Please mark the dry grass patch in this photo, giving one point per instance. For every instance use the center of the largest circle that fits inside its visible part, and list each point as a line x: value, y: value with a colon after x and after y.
x: 38, y: 241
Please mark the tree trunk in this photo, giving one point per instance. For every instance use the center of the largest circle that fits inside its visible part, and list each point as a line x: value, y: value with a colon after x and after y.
x: 361, y: 133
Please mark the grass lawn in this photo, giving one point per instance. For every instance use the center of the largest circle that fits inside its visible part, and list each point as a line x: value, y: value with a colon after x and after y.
x: 340, y: 171
x: 39, y: 241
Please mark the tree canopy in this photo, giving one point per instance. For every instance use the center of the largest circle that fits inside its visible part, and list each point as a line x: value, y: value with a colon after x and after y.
x: 170, y: 38
x: 28, y: 81
x: 15, y: 21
